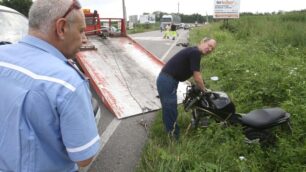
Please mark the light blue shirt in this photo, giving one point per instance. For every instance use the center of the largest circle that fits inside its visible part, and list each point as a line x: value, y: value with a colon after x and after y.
x: 46, y: 118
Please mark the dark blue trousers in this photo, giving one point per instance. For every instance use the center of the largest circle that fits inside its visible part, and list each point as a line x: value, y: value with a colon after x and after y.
x: 166, y: 87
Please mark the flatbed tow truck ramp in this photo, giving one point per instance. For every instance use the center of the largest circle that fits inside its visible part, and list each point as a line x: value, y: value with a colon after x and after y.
x: 123, y: 74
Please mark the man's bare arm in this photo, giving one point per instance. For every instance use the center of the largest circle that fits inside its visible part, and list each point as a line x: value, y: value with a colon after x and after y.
x: 198, y: 80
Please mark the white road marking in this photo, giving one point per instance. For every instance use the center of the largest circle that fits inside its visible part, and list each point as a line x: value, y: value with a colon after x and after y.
x: 110, y: 129
x: 149, y: 38
x: 171, y: 47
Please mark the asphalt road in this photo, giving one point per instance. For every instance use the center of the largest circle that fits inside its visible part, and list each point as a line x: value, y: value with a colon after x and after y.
x: 162, y: 48
x: 123, y: 140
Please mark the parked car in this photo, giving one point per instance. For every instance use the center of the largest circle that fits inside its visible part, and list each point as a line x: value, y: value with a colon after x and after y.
x: 186, y: 26
x: 13, y: 25
x: 181, y: 26
x: 110, y: 31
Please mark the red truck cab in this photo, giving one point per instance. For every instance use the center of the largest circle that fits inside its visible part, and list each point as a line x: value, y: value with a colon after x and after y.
x: 93, y: 25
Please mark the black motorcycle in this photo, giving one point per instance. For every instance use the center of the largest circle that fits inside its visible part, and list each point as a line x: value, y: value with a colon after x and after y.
x: 217, y: 105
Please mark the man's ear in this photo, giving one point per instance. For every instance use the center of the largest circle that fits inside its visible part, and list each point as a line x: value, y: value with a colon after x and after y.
x: 60, y: 28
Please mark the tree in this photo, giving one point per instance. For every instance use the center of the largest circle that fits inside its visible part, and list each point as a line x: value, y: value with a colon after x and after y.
x: 158, y: 15
x: 21, y: 6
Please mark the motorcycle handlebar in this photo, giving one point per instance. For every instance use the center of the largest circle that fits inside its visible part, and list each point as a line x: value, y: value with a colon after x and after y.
x: 205, y: 92
x: 194, y: 94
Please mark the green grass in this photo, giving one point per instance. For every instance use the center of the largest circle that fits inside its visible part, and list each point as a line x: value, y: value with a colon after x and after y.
x: 139, y: 28
x: 260, y: 61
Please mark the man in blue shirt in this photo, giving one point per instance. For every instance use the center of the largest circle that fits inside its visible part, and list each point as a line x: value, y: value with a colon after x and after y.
x: 46, y: 117
x: 180, y: 67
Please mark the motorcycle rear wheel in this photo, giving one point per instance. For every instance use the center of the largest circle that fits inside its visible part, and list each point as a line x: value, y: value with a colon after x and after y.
x: 265, y: 137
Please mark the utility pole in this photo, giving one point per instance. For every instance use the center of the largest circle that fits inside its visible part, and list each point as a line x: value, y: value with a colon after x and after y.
x: 178, y: 8
x: 124, y: 10
x: 124, y: 17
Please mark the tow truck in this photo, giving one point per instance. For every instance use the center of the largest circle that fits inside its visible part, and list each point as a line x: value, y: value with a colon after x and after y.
x: 120, y: 70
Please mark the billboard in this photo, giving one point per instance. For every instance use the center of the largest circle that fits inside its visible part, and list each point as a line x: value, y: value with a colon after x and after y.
x: 151, y: 18
x: 143, y: 19
x: 226, y: 9
x: 148, y: 18
x: 133, y: 18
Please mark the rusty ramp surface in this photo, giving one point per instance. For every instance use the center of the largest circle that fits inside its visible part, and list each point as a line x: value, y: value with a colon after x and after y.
x: 124, y: 75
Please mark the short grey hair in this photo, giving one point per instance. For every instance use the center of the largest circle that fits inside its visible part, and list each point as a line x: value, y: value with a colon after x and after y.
x: 205, y: 39
x: 43, y: 13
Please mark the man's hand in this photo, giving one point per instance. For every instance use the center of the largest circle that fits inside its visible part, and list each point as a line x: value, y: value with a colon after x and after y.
x: 84, y: 163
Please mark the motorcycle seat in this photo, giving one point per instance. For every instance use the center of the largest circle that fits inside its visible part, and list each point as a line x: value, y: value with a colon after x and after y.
x: 262, y: 118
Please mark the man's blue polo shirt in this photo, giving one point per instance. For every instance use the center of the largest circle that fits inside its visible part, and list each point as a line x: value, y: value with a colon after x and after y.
x: 46, y: 117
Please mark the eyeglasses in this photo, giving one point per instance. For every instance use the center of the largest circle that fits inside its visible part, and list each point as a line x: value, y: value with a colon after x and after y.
x: 75, y: 5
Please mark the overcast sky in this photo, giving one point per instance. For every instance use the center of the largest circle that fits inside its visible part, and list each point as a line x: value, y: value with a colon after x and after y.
x: 113, y: 8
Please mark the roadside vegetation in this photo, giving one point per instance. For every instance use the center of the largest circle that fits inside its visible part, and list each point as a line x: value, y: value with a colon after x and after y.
x: 139, y: 28
x: 260, y: 60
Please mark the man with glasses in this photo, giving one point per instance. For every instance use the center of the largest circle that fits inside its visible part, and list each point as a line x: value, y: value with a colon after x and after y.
x: 179, y: 68
x: 46, y: 117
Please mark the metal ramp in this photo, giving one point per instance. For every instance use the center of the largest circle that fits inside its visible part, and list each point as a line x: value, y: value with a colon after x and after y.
x: 124, y: 75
